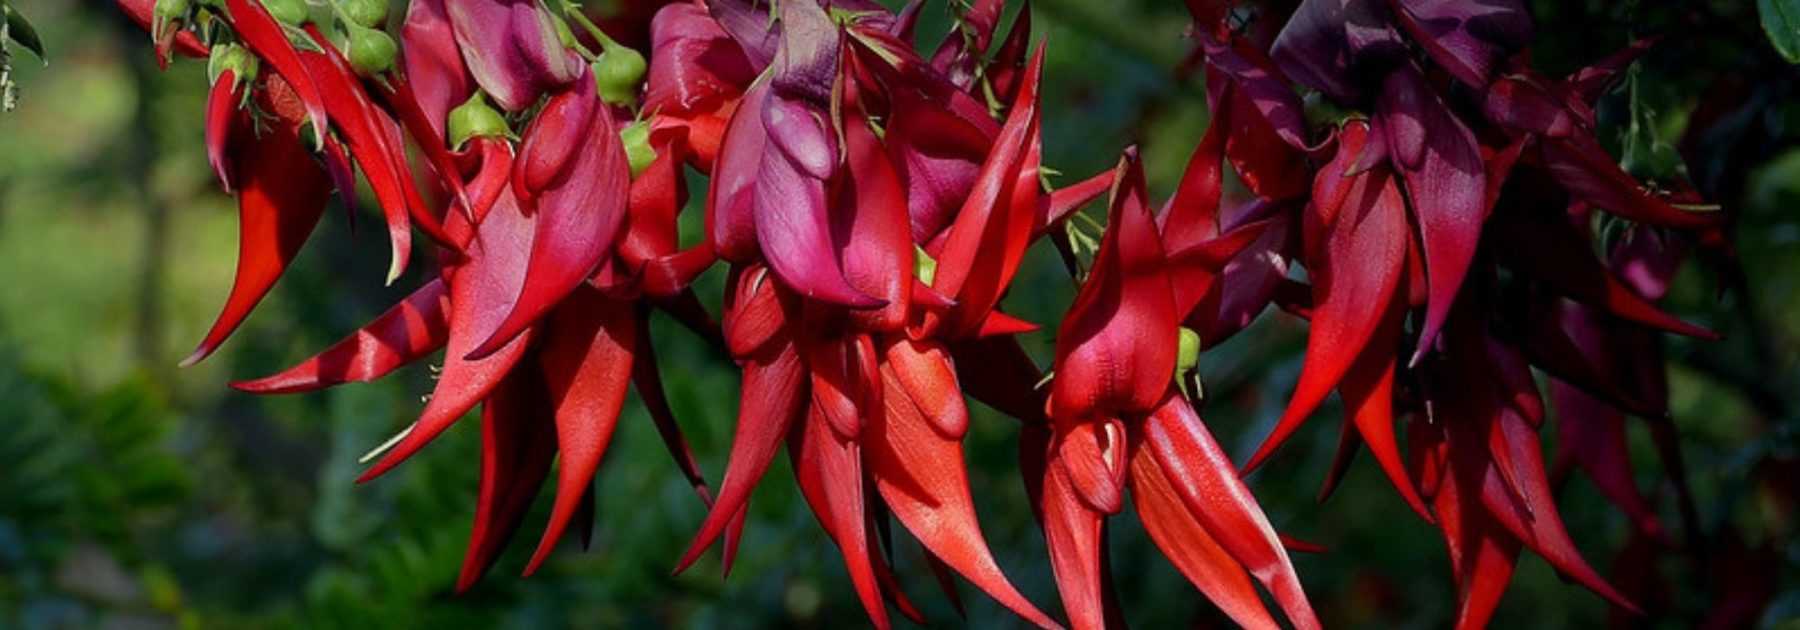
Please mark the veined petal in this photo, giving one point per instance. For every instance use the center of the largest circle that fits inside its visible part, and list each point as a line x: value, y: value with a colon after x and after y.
x: 1466, y: 38
x: 1188, y: 546
x: 1203, y: 477
x: 920, y: 476
x: 1116, y: 347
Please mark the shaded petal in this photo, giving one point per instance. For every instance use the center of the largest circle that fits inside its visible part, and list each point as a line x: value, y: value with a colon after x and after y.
x: 434, y: 64
x: 831, y: 479
x: 997, y: 221
x: 1445, y: 179
x: 1356, y: 267
x: 281, y: 194
x: 586, y: 358
x: 517, y: 444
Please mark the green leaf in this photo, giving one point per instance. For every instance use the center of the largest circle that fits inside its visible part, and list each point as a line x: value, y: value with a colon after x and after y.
x: 21, y: 31
x: 1781, y: 21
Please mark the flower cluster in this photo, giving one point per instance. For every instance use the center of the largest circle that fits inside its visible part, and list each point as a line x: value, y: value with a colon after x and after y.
x: 874, y: 204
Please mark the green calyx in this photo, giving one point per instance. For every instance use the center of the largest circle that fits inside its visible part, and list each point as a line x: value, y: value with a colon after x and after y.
x: 638, y: 152
x: 237, y: 59
x: 366, y: 13
x: 372, y: 52
x: 289, y: 12
x: 171, y: 9
x: 475, y: 119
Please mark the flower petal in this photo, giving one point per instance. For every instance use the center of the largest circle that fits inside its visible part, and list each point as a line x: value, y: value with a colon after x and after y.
x: 403, y: 334
x: 281, y: 194
x: 586, y: 358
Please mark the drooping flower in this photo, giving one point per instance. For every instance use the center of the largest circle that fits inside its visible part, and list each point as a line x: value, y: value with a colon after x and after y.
x: 865, y: 391
x: 1119, y: 420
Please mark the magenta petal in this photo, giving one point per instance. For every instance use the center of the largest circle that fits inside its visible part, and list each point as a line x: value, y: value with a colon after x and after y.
x: 794, y: 231
x: 512, y: 49
x: 731, y: 193
x: 1441, y: 165
x: 576, y: 222
x: 434, y: 64
x: 1466, y: 38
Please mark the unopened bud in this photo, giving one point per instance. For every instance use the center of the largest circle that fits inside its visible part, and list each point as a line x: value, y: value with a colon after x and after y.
x: 366, y: 13
x: 475, y: 119
x: 618, y: 73
x: 289, y: 12
x: 372, y: 52
x: 171, y: 9
x: 638, y: 152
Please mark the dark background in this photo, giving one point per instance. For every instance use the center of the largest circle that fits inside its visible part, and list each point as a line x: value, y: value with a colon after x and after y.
x: 136, y: 495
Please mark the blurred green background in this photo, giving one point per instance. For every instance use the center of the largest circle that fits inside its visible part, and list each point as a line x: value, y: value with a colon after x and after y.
x: 136, y: 495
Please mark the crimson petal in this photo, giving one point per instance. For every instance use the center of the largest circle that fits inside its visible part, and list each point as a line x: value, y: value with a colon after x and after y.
x: 403, y: 334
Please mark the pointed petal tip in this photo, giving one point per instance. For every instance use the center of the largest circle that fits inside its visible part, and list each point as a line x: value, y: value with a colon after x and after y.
x: 199, y: 354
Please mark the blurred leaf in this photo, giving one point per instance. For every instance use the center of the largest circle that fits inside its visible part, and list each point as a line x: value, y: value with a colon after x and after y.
x: 1781, y: 21
x: 21, y: 30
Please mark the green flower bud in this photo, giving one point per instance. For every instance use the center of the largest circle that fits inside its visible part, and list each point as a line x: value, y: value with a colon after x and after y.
x: 369, y: 13
x: 235, y: 58
x: 171, y: 9
x: 475, y: 119
x: 618, y: 73
x: 372, y: 52
x: 638, y: 151
x: 924, y: 266
x: 1187, y: 353
x: 289, y: 12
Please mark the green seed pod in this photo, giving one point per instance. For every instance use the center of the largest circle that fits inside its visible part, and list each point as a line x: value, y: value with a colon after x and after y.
x: 368, y: 13
x: 638, y: 151
x: 289, y: 12
x: 618, y: 73
x: 171, y: 9
x: 372, y: 52
x: 475, y: 119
